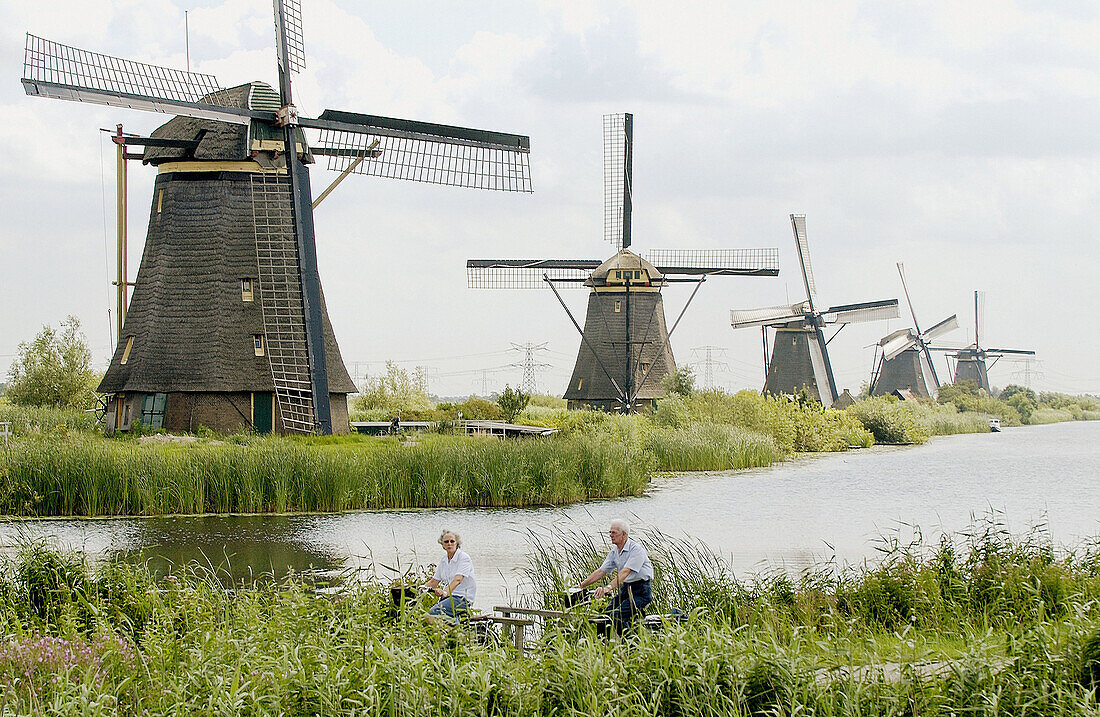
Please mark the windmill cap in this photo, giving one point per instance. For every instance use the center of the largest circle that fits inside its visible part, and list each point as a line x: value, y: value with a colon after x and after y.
x: 625, y: 260
x: 220, y: 141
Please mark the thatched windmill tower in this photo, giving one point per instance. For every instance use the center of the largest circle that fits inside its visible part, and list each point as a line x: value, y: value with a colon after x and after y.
x: 625, y: 350
x: 800, y: 357
x: 228, y: 326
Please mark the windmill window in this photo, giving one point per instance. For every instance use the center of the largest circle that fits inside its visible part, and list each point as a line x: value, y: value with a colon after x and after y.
x: 258, y: 344
x: 152, y: 410
x: 580, y: 382
x: 160, y: 200
x: 246, y: 290
x: 618, y: 306
x: 644, y: 367
x: 126, y: 351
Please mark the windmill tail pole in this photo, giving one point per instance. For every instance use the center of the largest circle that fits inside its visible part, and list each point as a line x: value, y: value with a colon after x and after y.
x: 622, y: 394
x: 343, y: 176
x: 668, y: 338
x: 120, y: 209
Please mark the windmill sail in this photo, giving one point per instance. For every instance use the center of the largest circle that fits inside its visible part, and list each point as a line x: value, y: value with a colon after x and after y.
x: 895, y: 343
x: 618, y: 147
x: 944, y: 327
x: 425, y: 152
x: 528, y: 273
x: 767, y: 315
x: 715, y: 262
x: 866, y: 311
x: 289, y: 35
x: 63, y: 72
x: 802, y: 244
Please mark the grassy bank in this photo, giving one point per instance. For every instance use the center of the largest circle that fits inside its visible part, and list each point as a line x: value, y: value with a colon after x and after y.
x: 90, y: 475
x: 59, y: 464
x: 1016, y: 623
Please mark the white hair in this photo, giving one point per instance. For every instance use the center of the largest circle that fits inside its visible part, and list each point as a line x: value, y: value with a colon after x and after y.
x: 621, y: 525
x: 456, y: 536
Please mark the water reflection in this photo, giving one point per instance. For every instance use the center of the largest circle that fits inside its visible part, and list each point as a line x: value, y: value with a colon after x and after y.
x: 233, y: 549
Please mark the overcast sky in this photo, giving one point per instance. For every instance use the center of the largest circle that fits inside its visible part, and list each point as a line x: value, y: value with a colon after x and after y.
x: 958, y: 138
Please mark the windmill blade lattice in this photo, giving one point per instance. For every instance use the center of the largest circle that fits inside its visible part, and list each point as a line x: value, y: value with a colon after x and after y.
x: 752, y: 262
x: 431, y: 161
x: 618, y: 138
x: 424, y: 152
x: 289, y: 24
x: 51, y: 69
x: 528, y: 273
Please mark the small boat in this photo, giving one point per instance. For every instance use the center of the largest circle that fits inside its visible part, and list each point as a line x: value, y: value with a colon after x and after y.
x: 994, y: 425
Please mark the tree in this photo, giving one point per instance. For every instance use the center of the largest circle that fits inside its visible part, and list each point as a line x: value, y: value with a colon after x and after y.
x: 1013, y: 389
x: 512, y: 401
x: 680, y: 382
x: 55, y: 369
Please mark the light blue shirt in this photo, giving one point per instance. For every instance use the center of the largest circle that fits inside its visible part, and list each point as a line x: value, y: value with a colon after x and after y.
x: 632, y: 556
x: 460, y: 564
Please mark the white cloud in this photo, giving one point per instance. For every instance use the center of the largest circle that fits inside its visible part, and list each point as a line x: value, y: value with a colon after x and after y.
x: 955, y: 137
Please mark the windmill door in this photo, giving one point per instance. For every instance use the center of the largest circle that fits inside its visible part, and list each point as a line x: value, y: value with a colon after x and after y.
x: 261, y: 412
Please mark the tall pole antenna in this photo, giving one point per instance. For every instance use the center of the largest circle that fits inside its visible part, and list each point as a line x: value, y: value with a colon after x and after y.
x: 187, y: 40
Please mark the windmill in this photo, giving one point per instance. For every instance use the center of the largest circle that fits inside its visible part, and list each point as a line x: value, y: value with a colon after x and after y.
x: 232, y: 205
x: 906, y: 360
x: 800, y: 358
x: 970, y: 361
x: 624, y: 351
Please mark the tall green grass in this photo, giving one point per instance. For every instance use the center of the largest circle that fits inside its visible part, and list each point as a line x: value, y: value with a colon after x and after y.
x: 88, y: 475
x: 711, y: 447
x: 981, y: 577
x: 41, y: 420
x: 117, y: 642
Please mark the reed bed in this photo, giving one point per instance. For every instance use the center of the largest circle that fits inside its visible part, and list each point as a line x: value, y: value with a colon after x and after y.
x: 118, y: 642
x: 711, y: 447
x: 26, y: 420
x: 88, y: 475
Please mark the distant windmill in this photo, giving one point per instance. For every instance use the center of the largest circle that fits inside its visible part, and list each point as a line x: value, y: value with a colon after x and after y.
x: 906, y: 360
x: 625, y: 349
x: 970, y: 361
x: 231, y: 227
x: 800, y: 358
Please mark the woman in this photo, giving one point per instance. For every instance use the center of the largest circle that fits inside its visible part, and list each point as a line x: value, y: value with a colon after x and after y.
x: 453, y: 581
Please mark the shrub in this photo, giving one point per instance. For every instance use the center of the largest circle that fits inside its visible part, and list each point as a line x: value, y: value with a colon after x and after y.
x: 890, y: 420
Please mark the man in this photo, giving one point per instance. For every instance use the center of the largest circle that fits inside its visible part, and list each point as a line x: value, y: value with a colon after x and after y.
x: 628, y: 564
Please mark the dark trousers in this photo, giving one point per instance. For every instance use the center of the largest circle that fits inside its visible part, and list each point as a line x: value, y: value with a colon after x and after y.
x: 629, y: 603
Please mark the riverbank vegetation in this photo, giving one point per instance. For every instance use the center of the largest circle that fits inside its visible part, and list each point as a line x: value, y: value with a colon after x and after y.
x: 981, y: 623
x: 58, y: 463
x: 86, y: 474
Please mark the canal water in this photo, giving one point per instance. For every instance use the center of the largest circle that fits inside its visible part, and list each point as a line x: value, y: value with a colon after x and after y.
x: 784, y: 517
